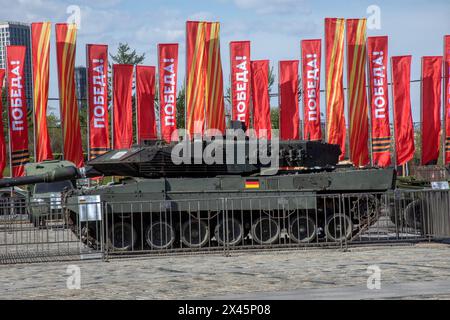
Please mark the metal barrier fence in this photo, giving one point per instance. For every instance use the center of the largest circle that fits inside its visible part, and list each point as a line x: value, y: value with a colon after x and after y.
x: 38, y: 232
x: 47, y: 230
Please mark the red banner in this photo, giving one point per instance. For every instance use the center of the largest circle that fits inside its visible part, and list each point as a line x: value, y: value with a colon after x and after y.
x: 2, y: 137
x: 97, y: 73
x: 40, y: 48
x: 18, y: 126
x: 214, y: 99
x: 204, y: 84
x: 145, y: 103
x: 65, y: 53
x: 404, y: 131
x: 240, y: 81
x: 168, y: 71
x: 447, y: 97
x: 357, y: 96
x: 261, y: 99
x: 288, y: 84
x: 195, y: 77
x: 431, y: 108
x: 377, y: 48
x: 334, y: 70
x: 311, y: 67
x: 122, y: 101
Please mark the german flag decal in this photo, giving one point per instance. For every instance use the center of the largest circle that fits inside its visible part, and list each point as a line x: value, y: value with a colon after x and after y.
x: 252, y: 184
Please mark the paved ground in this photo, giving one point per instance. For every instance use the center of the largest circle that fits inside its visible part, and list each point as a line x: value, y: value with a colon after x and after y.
x: 439, y: 289
x: 407, y: 272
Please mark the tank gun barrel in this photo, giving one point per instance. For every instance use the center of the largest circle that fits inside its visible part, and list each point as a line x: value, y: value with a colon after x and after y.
x: 59, y: 174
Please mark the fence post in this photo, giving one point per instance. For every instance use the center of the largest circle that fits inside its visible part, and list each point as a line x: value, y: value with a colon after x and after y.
x: 225, y: 227
x: 104, y: 232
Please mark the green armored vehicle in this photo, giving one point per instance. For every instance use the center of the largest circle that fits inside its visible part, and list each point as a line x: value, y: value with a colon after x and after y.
x: 412, y: 208
x: 44, y: 197
x: 162, y: 202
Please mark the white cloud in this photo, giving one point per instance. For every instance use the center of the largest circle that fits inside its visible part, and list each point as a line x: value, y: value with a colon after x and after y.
x: 273, y: 6
x: 149, y: 34
x: 100, y: 3
x: 203, y: 16
x: 31, y: 10
x: 97, y: 22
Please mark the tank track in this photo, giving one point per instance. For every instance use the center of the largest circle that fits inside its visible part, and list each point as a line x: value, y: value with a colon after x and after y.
x: 263, y: 229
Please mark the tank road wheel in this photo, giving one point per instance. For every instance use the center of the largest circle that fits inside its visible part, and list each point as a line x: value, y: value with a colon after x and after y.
x: 160, y: 235
x: 229, y: 231
x: 414, y: 214
x: 123, y: 236
x: 302, y: 229
x: 88, y: 236
x: 367, y: 209
x: 338, y: 227
x: 194, y: 233
x: 265, y: 230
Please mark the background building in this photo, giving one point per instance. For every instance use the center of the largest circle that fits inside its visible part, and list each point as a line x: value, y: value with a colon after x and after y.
x: 19, y: 34
x: 81, y: 85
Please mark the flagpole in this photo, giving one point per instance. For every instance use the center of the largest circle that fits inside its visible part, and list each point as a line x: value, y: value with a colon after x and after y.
x: 279, y: 100
x: 443, y: 110
x: 157, y: 88
x: 394, y: 149
x: 33, y: 106
x: 88, y: 119
x: 301, y: 103
x: 8, y: 103
x: 421, y: 111
x: 136, y: 103
x: 230, y: 79
x: 60, y: 98
x: 112, y: 108
x: 185, y: 88
x: 369, y: 103
x: 88, y: 97
x: 205, y: 87
x: 325, y: 134
x: 347, y: 101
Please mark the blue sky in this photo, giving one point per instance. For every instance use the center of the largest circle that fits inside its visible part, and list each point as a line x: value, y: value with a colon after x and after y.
x: 275, y: 27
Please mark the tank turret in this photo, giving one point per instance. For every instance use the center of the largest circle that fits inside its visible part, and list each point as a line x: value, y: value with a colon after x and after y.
x: 190, y: 158
x: 157, y: 159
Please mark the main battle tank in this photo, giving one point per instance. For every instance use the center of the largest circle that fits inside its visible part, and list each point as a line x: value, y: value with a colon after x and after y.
x: 412, y: 203
x: 159, y: 203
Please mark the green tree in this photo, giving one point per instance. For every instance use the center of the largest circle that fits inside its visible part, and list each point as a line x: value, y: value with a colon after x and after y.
x: 271, y: 79
x: 83, y: 107
x: 181, y: 107
x: 275, y: 118
x: 55, y: 133
x: 125, y: 55
x: 228, y: 95
x: 5, y: 109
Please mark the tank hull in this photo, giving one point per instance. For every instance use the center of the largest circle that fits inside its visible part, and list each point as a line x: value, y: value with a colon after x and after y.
x: 181, y: 190
x: 245, y: 204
